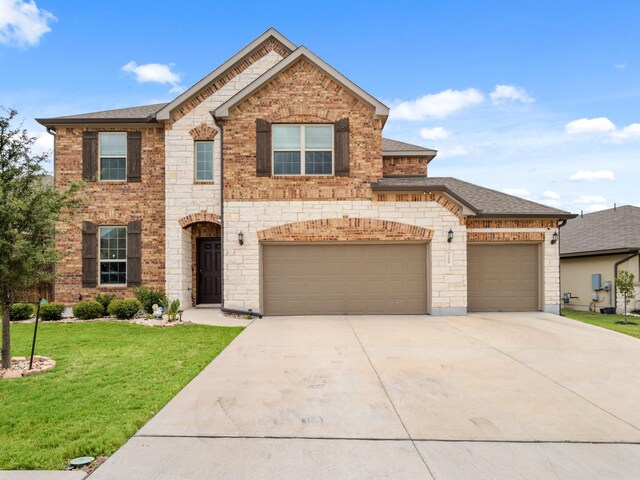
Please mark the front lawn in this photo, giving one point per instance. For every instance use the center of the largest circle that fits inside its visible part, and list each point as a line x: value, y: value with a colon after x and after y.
x: 110, y: 379
x: 606, y: 321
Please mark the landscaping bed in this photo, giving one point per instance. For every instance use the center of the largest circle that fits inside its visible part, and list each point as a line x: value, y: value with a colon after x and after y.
x: 606, y: 321
x: 110, y: 379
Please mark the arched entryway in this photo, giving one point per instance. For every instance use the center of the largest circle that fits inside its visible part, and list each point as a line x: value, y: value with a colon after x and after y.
x: 206, y: 257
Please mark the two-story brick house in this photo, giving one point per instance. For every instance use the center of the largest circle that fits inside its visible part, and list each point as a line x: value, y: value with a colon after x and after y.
x: 268, y: 186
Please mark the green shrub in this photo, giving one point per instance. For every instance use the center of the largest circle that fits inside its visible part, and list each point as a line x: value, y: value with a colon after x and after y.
x: 148, y: 298
x: 88, y: 310
x: 21, y: 311
x: 51, y: 311
x: 124, y: 309
x: 105, y: 299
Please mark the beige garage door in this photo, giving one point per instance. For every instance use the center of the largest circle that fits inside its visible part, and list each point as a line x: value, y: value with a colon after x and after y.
x: 502, y: 278
x: 344, y: 279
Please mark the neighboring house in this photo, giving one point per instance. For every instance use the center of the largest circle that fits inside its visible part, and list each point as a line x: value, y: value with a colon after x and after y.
x: 600, y: 243
x: 268, y: 186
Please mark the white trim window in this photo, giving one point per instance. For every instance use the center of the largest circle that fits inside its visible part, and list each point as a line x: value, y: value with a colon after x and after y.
x: 112, y: 153
x: 113, y: 255
x: 204, y: 161
x: 302, y: 149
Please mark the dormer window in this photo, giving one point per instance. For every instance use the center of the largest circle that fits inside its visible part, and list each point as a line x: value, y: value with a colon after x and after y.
x: 302, y: 149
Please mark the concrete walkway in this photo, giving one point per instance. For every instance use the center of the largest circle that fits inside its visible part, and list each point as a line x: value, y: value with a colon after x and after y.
x: 517, y: 396
x: 214, y: 317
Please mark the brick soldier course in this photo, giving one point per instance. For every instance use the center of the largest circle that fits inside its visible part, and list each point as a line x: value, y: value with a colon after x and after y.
x: 379, y: 190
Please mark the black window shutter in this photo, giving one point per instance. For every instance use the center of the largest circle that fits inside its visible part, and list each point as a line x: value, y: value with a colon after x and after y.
x: 341, y: 141
x: 134, y: 156
x: 89, y: 155
x: 89, y: 255
x: 263, y: 148
x: 134, y: 253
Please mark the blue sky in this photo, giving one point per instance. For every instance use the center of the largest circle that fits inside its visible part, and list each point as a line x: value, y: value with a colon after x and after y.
x: 540, y: 99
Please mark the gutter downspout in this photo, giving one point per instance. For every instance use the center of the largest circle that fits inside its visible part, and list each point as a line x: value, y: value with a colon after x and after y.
x: 220, y: 125
x: 52, y: 132
x: 615, y: 276
x: 560, y: 224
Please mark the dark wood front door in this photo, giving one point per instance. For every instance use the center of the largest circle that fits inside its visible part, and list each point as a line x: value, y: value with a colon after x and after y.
x: 209, y: 271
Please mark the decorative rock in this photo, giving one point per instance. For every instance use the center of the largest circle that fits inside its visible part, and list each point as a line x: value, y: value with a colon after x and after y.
x: 12, y: 374
x: 20, y: 367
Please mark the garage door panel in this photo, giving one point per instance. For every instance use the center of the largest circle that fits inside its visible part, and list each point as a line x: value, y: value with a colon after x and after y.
x: 503, y: 277
x: 344, y: 279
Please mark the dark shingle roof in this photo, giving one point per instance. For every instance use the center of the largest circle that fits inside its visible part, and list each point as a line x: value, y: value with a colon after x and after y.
x: 484, y: 201
x: 395, y: 147
x: 608, y: 230
x: 143, y: 113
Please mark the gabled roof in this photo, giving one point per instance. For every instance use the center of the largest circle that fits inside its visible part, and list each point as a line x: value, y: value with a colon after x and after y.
x: 483, y: 201
x: 616, y: 230
x: 395, y: 148
x: 381, y: 109
x: 141, y: 114
x: 164, y: 113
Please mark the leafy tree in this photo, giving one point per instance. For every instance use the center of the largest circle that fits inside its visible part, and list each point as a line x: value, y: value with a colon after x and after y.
x: 29, y: 212
x: 624, y: 283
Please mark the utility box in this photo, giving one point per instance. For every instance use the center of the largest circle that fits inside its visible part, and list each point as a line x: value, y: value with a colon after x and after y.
x: 596, y: 281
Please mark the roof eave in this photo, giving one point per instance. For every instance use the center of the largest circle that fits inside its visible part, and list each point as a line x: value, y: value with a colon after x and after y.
x: 52, y: 122
x: 596, y: 253
x: 165, y: 112
x: 381, y: 110
x: 559, y: 216
x: 378, y: 187
x: 430, y: 154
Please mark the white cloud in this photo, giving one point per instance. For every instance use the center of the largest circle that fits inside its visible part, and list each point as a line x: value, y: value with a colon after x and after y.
x: 437, y: 105
x: 550, y: 202
x: 596, y: 207
x: 435, y: 133
x: 22, y: 23
x: 43, y: 143
x: 589, y: 125
x: 590, y: 199
x: 155, y: 73
x: 519, y: 192
x: 630, y: 132
x: 457, y: 151
x: 510, y: 93
x: 592, y: 175
x: 552, y: 195
x: 620, y: 66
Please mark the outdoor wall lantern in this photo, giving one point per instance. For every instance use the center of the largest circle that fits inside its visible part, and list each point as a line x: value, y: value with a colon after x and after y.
x: 241, y: 238
x: 554, y: 238
x: 450, y: 236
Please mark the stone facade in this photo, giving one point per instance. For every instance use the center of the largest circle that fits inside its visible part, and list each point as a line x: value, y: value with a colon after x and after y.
x: 404, y: 166
x: 111, y: 204
x: 242, y: 262
x: 184, y: 195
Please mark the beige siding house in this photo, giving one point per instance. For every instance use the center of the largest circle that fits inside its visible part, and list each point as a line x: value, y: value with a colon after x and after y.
x: 600, y: 244
x: 268, y: 187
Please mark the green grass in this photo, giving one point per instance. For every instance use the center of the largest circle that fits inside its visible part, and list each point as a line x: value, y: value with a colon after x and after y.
x: 110, y: 379
x: 606, y: 321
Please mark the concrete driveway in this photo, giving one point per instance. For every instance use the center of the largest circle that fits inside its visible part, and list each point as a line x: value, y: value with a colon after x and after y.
x: 487, y: 396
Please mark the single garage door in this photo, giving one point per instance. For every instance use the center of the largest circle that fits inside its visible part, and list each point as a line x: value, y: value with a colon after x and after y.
x: 502, y: 278
x: 344, y: 279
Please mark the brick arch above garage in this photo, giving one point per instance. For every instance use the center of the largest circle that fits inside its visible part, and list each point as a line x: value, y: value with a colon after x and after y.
x: 345, y: 229
x: 201, y: 217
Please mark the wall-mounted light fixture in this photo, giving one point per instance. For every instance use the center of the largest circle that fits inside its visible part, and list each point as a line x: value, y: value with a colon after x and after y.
x: 241, y: 238
x: 450, y: 236
x: 554, y: 238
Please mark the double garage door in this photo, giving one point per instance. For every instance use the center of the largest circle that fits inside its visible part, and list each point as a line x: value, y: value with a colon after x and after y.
x: 340, y: 279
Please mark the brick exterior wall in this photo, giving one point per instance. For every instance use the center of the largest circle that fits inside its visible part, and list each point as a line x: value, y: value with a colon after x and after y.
x: 404, y: 166
x: 111, y: 204
x: 199, y: 230
x: 301, y: 94
x: 344, y: 229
